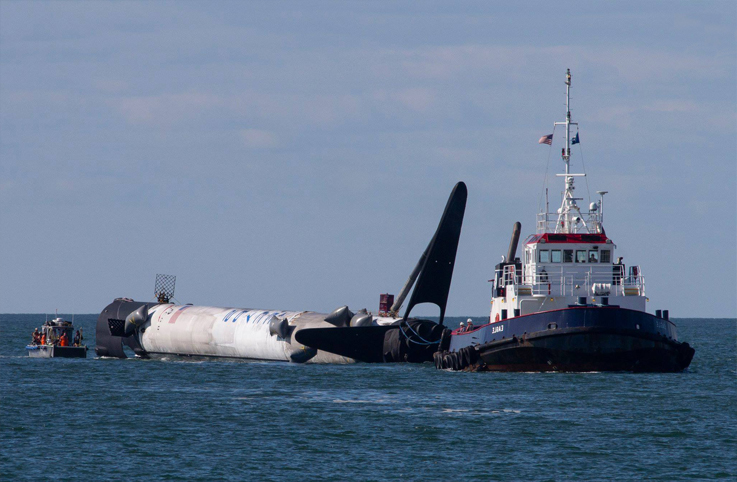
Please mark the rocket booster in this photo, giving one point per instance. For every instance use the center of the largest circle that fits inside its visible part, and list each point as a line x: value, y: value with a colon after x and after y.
x: 161, y: 328
x: 215, y: 332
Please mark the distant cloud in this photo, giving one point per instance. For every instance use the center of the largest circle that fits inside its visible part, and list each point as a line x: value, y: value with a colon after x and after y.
x: 648, y: 64
x: 165, y: 109
x: 297, y: 110
x: 447, y: 62
x: 111, y: 85
x: 417, y: 99
x: 258, y: 138
x: 640, y: 63
x: 625, y: 116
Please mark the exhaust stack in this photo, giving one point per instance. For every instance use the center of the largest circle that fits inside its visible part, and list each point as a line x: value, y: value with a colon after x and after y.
x: 513, y: 243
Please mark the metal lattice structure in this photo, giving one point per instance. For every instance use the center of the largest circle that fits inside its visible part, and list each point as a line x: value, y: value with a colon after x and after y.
x: 164, y: 288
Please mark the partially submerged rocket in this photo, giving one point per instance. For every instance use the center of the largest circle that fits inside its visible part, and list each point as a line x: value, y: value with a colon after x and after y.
x: 163, y: 328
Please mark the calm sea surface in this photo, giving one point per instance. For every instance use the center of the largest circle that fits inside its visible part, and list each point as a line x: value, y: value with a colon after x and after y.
x: 132, y: 419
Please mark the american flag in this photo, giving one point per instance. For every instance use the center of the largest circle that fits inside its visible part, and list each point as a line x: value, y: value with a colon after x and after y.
x: 546, y: 140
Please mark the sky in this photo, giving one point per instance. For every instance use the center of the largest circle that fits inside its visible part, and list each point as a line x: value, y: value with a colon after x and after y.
x: 298, y: 155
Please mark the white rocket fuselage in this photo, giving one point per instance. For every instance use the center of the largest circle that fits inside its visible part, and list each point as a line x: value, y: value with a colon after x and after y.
x: 231, y: 332
x: 165, y: 328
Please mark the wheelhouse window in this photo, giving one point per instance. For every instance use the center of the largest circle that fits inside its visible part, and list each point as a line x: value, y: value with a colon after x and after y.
x: 568, y: 256
x: 544, y: 256
x: 593, y: 256
x: 606, y: 256
x: 555, y: 256
x: 580, y: 256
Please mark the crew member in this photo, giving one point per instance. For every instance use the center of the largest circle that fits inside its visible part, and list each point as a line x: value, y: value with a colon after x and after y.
x: 544, y: 279
x: 463, y: 327
x: 64, y: 340
x: 36, y: 337
x: 618, y: 271
x: 77, y: 338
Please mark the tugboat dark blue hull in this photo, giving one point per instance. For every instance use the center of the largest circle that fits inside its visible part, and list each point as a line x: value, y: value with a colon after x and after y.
x: 577, y: 339
x: 586, y: 350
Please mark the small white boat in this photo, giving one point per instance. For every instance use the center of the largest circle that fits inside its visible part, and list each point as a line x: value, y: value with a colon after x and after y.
x: 56, y: 340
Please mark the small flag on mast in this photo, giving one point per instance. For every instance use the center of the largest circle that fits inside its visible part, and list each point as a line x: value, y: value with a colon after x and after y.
x: 546, y: 140
x: 575, y: 139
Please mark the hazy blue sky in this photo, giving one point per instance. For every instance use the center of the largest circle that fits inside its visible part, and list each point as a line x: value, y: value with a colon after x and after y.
x: 298, y: 155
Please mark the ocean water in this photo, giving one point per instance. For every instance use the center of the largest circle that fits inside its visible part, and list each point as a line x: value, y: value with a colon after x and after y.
x: 104, y: 419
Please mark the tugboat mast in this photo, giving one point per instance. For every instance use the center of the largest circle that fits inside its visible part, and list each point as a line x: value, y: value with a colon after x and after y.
x: 567, y: 152
x: 567, y: 221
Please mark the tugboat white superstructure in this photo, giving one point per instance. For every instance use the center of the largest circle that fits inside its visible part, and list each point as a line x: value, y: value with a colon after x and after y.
x: 569, y: 304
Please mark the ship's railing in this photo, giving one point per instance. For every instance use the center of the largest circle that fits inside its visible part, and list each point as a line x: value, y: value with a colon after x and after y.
x: 608, y: 280
x: 548, y: 222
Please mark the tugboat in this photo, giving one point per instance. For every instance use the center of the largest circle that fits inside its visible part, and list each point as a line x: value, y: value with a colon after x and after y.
x: 56, y: 340
x: 569, y: 305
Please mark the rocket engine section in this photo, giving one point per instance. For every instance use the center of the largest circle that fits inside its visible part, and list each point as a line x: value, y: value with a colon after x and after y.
x: 135, y: 320
x: 208, y: 331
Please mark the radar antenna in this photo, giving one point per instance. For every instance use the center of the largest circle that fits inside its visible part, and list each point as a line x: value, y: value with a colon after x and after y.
x: 164, y: 288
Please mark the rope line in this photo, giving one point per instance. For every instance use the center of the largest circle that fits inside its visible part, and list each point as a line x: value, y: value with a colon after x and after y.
x: 401, y: 327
